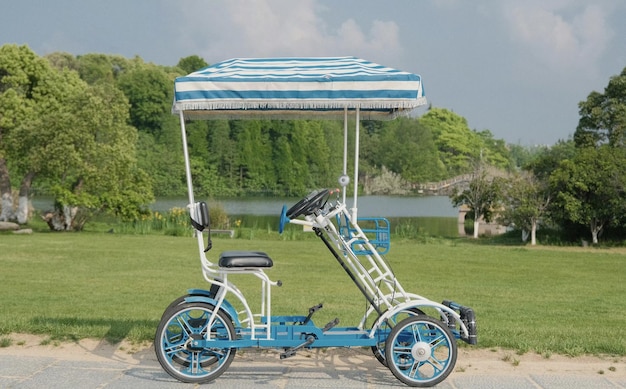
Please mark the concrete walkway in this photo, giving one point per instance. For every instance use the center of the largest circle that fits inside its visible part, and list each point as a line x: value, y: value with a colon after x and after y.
x: 101, y: 366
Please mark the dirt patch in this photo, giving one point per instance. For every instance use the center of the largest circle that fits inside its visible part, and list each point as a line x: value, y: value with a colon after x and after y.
x: 83, y: 350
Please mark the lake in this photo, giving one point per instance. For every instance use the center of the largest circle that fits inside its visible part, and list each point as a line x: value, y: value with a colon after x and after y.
x: 434, y: 214
x: 368, y: 206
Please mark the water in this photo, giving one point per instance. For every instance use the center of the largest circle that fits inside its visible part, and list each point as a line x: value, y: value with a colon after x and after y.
x: 434, y: 214
x: 368, y: 206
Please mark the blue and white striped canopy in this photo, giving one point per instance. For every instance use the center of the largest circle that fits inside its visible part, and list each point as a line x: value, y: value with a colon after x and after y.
x: 288, y: 87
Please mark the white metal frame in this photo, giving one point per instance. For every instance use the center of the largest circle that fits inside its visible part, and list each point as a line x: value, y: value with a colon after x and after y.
x: 372, y: 270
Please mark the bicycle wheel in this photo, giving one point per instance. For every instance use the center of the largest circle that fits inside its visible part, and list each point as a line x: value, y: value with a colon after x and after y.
x: 385, y: 328
x: 421, y: 351
x: 184, y: 323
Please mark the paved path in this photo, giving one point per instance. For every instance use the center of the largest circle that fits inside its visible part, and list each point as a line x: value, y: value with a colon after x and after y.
x: 100, y: 367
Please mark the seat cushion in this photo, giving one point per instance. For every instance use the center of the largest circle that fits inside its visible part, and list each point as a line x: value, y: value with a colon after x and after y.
x: 234, y: 259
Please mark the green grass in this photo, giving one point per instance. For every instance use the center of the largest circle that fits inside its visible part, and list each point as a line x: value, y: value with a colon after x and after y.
x: 111, y: 286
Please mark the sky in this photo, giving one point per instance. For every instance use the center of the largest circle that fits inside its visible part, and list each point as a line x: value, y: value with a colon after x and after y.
x: 517, y: 68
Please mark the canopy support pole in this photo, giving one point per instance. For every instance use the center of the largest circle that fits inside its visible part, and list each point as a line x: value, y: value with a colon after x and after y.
x: 187, y: 163
x: 345, y: 149
x: 356, y: 163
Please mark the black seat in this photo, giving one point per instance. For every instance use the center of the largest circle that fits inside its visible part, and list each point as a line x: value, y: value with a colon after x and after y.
x: 236, y: 259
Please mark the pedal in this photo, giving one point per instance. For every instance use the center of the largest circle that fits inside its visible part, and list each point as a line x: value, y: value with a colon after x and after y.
x: 330, y: 325
x: 290, y: 352
x: 312, y: 310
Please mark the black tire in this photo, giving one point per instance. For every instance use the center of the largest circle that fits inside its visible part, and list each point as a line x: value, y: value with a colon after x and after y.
x: 176, y: 302
x: 180, y: 325
x: 421, y: 351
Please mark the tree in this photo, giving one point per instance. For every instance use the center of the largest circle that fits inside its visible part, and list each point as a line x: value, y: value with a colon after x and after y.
x: 33, y: 139
x: 25, y: 86
x: 548, y: 159
x: 149, y: 91
x: 99, y: 172
x: 191, y: 64
x: 603, y: 116
x: 525, y: 201
x: 493, y: 151
x: 407, y: 148
x: 481, y: 197
x: 591, y: 188
x: 458, y: 146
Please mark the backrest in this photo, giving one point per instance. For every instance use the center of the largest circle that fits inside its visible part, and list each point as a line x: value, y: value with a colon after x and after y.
x: 200, y: 218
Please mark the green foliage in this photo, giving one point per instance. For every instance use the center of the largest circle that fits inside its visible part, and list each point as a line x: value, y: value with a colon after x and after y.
x: 192, y: 63
x: 482, y: 196
x: 461, y: 148
x: 591, y: 188
x: 603, y: 116
x: 175, y: 222
x: 75, y: 138
x: 458, y: 145
x: 548, y: 159
x: 407, y: 148
x: 149, y: 91
x: 525, y: 202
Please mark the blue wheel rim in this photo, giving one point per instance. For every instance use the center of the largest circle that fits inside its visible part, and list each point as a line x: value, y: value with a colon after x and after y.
x: 422, y: 352
x: 180, y: 330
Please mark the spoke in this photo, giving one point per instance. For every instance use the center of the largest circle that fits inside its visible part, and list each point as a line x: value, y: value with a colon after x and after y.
x: 438, y: 341
x: 400, y: 349
x: 184, y: 325
x: 415, y: 329
x: 415, y: 370
x: 436, y: 364
x: 195, y: 366
x: 174, y: 349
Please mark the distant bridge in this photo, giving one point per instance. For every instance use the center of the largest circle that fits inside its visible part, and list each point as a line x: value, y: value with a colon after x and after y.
x: 445, y: 186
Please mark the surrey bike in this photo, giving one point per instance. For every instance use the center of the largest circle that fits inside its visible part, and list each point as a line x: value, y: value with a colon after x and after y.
x: 200, y: 333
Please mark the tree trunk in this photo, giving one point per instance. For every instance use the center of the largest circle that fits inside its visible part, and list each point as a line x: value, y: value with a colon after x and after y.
x: 525, y: 234
x: 596, y: 227
x: 7, y: 213
x: 533, y: 233
x: 22, y: 207
x: 65, y: 218
x: 476, y: 222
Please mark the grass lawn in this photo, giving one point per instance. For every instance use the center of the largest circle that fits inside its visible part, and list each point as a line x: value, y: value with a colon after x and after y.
x: 550, y: 300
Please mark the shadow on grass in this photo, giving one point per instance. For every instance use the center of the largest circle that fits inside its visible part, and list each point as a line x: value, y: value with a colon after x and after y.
x: 111, y: 330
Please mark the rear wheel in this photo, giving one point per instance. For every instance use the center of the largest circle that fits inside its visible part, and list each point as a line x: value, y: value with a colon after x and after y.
x: 179, y: 327
x: 421, y: 351
x: 385, y: 328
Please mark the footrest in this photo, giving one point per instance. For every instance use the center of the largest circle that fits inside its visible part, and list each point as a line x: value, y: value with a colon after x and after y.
x: 330, y: 325
x: 242, y: 259
x: 312, y: 310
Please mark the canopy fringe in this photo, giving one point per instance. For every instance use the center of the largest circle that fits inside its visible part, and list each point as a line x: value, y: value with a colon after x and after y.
x: 309, y: 107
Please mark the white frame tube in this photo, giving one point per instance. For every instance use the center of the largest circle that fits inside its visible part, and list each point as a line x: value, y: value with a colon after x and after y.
x: 345, y: 148
x: 356, y: 163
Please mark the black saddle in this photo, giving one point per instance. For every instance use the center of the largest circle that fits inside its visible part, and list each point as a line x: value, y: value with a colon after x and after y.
x: 241, y: 259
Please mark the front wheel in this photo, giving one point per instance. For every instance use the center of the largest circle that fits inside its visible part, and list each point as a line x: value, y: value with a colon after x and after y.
x: 420, y: 351
x: 179, y: 327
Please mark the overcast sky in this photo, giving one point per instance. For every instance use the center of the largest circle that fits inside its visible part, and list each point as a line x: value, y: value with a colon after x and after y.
x: 518, y: 68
